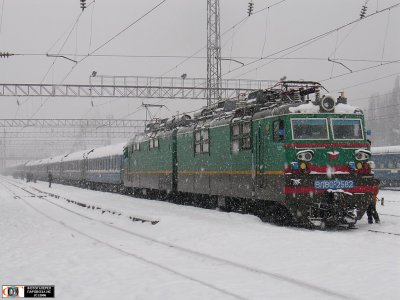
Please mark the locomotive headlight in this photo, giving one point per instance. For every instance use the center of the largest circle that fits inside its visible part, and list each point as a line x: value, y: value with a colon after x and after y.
x: 327, y: 103
x: 362, y: 154
x: 359, y: 165
x: 305, y: 155
x: 303, y: 166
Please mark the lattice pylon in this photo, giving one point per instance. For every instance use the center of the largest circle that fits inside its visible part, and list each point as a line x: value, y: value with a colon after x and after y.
x: 213, y: 52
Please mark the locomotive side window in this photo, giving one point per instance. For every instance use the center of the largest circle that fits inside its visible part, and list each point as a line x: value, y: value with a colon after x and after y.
x: 246, y: 139
x: 279, y: 130
x: 347, y: 129
x: 236, y: 130
x: 235, y: 138
x: 241, y: 136
x: 201, y: 141
x: 310, y: 129
x: 235, y: 145
x: 205, y: 141
x: 197, y: 141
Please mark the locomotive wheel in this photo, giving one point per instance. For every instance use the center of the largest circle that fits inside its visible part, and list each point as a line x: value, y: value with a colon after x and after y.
x: 277, y: 214
x: 282, y: 216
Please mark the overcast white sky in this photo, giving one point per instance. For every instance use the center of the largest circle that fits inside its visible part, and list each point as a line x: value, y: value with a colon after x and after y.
x: 178, y: 27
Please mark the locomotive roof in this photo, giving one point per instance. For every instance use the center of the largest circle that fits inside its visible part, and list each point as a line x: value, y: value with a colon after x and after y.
x: 285, y: 98
x: 306, y: 108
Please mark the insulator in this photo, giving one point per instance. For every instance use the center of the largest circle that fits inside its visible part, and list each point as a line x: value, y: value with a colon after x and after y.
x: 250, y: 9
x: 363, y: 11
x: 5, y: 54
x: 296, y: 96
x: 83, y: 4
x: 317, y: 95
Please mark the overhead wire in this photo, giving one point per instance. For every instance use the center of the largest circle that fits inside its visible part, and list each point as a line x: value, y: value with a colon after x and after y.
x: 360, y: 70
x: 235, y: 26
x: 2, y: 14
x: 55, y: 59
x: 386, y: 32
x: 334, y: 52
x: 100, y: 47
x: 265, y: 34
x: 59, y: 51
x: 91, y: 29
x: 369, y: 97
x: 123, y: 30
x: 239, y: 23
x: 366, y: 82
x: 120, y: 32
x: 204, y: 57
x: 310, y: 40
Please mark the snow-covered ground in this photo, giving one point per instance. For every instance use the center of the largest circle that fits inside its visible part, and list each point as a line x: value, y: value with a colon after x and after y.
x: 98, y: 252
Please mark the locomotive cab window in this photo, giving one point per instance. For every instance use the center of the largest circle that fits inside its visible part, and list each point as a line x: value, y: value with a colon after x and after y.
x: 347, y: 129
x: 310, y: 129
x: 279, y: 130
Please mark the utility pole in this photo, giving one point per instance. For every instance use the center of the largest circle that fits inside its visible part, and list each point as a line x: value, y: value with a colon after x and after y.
x: 213, y: 52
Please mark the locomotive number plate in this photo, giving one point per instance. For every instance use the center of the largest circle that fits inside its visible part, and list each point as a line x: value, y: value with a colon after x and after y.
x: 333, y: 184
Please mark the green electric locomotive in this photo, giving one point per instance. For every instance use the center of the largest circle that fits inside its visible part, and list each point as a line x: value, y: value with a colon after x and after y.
x: 286, y: 154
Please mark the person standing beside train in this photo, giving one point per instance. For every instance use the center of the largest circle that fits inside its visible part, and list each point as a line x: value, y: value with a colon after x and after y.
x: 50, y: 176
x: 371, y: 210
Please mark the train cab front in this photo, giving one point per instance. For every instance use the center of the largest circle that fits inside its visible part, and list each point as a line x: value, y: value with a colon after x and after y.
x: 328, y: 172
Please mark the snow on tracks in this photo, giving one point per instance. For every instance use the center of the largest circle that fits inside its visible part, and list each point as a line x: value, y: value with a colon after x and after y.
x: 223, y: 270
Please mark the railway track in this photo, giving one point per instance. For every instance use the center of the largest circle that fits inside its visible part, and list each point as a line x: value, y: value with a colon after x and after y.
x: 244, y: 270
x: 388, y: 215
x: 384, y: 232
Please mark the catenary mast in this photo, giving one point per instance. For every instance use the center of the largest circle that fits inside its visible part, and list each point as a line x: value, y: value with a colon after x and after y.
x: 213, y: 52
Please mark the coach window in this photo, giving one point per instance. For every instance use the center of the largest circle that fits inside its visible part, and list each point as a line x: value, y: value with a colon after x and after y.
x: 279, y: 130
